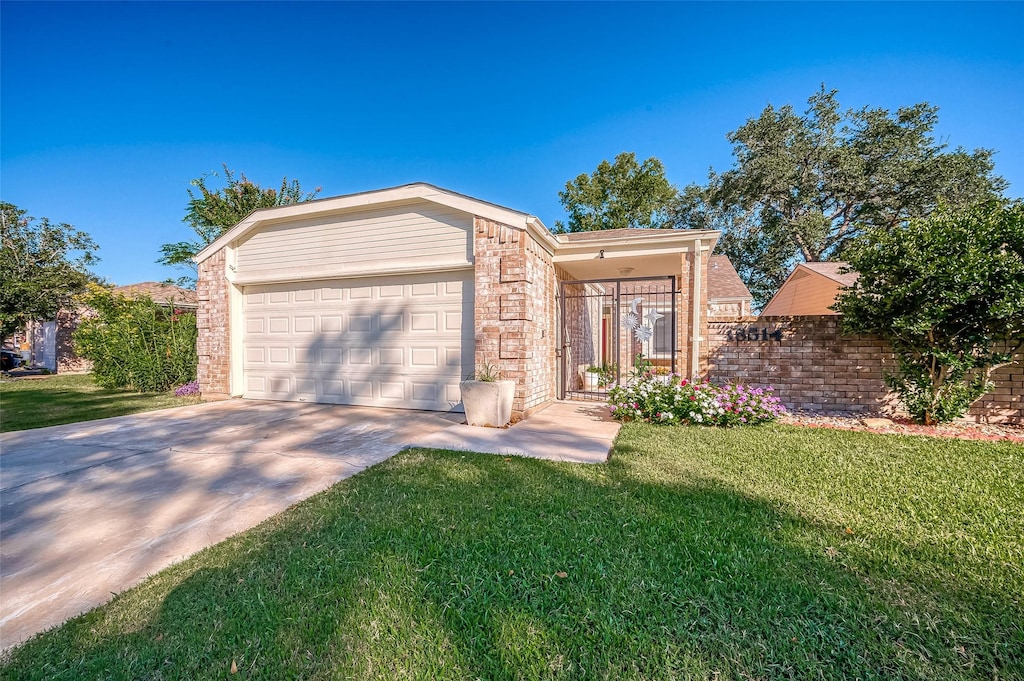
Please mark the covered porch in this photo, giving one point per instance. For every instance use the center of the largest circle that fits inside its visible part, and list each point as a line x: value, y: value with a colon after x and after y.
x: 629, y: 301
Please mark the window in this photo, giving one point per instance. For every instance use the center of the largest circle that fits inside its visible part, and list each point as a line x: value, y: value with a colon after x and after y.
x: 661, y: 342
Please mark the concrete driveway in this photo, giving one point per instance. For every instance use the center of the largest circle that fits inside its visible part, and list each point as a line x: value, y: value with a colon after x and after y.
x: 93, y: 508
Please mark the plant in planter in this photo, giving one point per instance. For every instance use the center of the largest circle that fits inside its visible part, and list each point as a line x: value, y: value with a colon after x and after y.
x: 608, y: 375
x: 592, y: 377
x: 486, y: 398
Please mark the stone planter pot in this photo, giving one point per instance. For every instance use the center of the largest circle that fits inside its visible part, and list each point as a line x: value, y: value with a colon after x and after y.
x: 488, y: 403
x: 591, y: 380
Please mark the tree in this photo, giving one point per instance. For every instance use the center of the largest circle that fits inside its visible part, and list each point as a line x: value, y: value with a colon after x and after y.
x: 617, y: 195
x: 808, y: 186
x: 212, y: 213
x: 947, y: 292
x: 39, y: 271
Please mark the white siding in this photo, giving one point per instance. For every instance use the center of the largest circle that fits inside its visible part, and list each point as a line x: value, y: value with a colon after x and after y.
x: 412, y: 235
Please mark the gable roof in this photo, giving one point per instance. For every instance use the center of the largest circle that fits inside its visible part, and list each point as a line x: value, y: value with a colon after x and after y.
x: 162, y: 293
x: 810, y: 288
x: 832, y: 271
x: 723, y: 280
x: 407, y: 192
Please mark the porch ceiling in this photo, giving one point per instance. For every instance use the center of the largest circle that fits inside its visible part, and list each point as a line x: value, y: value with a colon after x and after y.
x: 643, y: 252
x: 617, y: 265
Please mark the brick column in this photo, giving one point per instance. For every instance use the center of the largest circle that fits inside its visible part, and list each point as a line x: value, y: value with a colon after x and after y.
x: 513, y: 311
x: 213, y: 345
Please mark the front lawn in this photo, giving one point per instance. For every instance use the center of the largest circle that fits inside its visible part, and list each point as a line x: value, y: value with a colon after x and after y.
x: 771, y: 552
x: 53, y: 400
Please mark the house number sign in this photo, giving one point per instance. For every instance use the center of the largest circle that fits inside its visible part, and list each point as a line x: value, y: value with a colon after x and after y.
x: 753, y: 334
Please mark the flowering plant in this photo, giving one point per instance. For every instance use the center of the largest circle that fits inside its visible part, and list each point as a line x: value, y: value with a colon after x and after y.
x: 672, y: 399
x: 190, y: 388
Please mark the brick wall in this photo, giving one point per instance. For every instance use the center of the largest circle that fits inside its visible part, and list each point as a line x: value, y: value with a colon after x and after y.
x: 213, y: 345
x: 68, y: 360
x: 513, y: 311
x: 814, y: 367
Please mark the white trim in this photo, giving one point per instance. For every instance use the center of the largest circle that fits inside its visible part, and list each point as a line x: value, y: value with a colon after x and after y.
x: 420, y: 191
x: 256, y: 278
x: 236, y: 334
x: 660, y: 242
x: 695, y: 337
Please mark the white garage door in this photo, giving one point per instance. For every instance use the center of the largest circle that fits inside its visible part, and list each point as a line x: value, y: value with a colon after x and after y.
x: 388, y: 341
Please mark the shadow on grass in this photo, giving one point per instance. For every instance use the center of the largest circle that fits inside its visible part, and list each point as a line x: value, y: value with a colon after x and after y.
x: 58, y: 400
x: 452, y: 565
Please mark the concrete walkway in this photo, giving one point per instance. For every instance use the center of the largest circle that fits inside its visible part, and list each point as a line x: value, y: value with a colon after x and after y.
x: 579, y: 432
x: 90, y: 509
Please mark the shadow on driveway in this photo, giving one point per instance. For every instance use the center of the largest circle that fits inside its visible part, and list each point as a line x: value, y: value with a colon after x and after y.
x: 90, y: 509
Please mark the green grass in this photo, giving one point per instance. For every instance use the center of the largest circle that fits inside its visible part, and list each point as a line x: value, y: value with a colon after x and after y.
x: 773, y: 552
x: 54, y: 400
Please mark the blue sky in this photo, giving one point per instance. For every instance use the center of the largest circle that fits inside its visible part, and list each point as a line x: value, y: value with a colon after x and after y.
x: 107, y: 110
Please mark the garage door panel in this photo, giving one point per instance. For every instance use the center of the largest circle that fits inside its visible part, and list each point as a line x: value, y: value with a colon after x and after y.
x: 360, y: 323
x: 423, y: 358
x: 360, y: 293
x: 279, y: 386
x: 427, y: 289
x: 331, y: 323
x: 391, y: 356
x: 390, y: 322
x: 330, y: 294
x: 397, y: 343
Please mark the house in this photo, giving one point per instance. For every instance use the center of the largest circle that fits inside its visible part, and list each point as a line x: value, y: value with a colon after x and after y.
x: 810, y: 289
x: 50, y: 344
x: 160, y: 293
x: 392, y: 297
x: 728, y: 296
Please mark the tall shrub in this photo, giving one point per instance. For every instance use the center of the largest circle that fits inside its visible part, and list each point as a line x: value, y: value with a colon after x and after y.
x: 136, y: 343
x: 947, y: 291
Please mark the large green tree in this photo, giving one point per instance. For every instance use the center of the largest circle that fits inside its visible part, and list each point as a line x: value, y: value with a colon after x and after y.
x: 43, y: 265
x: 617, y: 195
x: 947, y: 291
x: 212, y: 212
x: 804, y: 187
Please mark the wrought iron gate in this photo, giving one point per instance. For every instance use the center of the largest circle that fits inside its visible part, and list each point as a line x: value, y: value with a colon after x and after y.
x: 613, y: 329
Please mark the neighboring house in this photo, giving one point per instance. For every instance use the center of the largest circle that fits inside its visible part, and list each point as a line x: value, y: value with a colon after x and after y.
x: 810, y: 289
x: 161, y: 293
x: 728, y: 296
x: 50, y: 343
x: 392, y: 297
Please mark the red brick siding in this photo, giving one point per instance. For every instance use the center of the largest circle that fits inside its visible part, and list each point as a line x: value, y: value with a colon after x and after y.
x: 67, y: 360
x: 816, y: 368
x: 513, y: 311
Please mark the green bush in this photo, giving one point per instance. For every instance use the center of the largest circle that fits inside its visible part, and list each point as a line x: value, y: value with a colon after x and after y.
x: 136, y: 343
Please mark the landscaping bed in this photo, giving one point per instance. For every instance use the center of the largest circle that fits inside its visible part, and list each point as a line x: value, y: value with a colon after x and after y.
x: 757, y: 552
x: 992, y: 432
